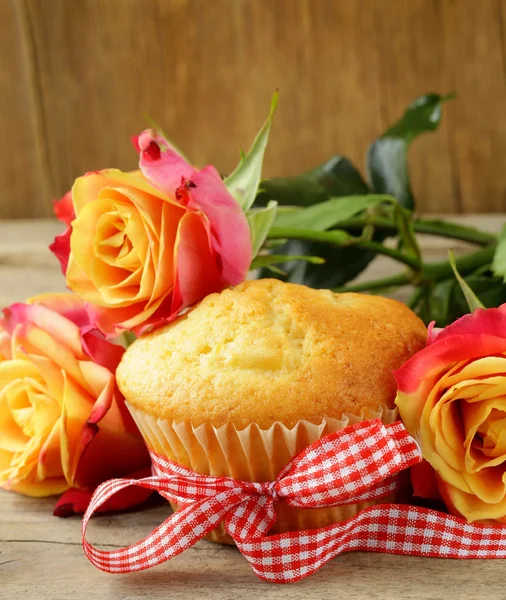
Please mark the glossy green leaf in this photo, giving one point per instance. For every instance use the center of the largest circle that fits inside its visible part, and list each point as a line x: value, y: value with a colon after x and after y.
x: 325, y: 215
x: 267, y: 260
x: 436, y: 303
x: 337, y: 177
x: 448, y: 302
x: 244, y: 181
x: 499, y: 261
x: 472, y: 299
x: 260, y: 221
x: 490, y: 290
x: 387, y: 163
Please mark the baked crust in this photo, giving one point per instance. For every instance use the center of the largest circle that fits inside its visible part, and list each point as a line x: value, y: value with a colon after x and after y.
x: 268, y: 351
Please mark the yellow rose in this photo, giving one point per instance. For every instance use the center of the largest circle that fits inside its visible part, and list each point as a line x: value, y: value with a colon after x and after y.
x: 63, y: 423
x: 143, y: 246
x: 452, y: 397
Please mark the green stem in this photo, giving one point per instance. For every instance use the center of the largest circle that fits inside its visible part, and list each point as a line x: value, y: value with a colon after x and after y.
x: 439, y: 271
x: 376, y: 247
x: 434, y: 272
x: 440, y: 228
x: 340, y: 239
x: 376, y: 284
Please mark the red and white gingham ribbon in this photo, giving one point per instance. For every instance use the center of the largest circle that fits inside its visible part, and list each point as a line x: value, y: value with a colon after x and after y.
x: 358, y: 463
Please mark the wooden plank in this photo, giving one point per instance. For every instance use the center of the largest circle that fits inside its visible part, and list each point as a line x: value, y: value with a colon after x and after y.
x: 27, y: 267
x: 474, y: 47
x: 79, y: 77
x: 41, y: 557
x: 206, y: 71
x: 409, y: 59
x: 22, y: 178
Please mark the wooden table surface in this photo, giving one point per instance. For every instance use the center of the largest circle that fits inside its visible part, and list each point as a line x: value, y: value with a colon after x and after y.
x: 41, y: 556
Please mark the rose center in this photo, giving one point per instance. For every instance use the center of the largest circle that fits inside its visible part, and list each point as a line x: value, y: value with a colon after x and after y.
x: 21, y: 408
x: 490, y: 437
x: 113, y: 243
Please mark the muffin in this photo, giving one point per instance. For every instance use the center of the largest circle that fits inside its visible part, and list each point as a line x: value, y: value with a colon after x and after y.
x: 248, y: 378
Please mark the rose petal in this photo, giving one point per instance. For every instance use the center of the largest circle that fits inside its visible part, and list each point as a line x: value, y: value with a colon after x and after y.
x: 61, y: 248
x: 101, y: 351
x: 435, y: 358
x: 64, y: 208
x: 53, y: 323
x: 230, y: 231
x: 423, y: 479
x: 160, y: 163
x: 76, y: 407
x: 75, y: 501
x: 490, y: 321
x: 40, y: 489
x: 195, y: 264
x: 67, y: 305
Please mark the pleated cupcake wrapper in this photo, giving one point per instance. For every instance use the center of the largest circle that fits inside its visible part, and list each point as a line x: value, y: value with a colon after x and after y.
x: 251, y: 454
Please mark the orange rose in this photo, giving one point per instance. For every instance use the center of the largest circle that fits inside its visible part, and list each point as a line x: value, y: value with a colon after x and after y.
x: 452, y: 397
x: 144, y: 246
x: 63, y: 422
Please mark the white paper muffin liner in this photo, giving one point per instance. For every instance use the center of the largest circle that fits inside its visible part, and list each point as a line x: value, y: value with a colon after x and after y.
x: 252, y: 454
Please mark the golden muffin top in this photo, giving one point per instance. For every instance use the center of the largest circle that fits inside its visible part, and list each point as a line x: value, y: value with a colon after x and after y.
x: 269, y: 351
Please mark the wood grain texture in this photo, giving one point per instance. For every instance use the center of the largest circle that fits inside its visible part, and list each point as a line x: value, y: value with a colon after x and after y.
x: 22, y: 178
x: 79, y: 76
x: 41, y: 556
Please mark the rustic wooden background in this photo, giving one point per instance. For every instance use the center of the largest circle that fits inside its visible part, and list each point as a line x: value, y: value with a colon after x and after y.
x: 77, y: 76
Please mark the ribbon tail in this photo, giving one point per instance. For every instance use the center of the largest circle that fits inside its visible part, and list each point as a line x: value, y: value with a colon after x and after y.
x: 384, y: 528
x: 178, y: 532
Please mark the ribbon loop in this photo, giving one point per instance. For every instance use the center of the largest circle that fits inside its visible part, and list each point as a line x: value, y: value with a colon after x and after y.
x: 181, y: 530
x: 353, y: 465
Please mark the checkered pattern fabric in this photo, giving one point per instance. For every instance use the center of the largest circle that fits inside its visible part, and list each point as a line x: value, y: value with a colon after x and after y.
x: 360, y: 462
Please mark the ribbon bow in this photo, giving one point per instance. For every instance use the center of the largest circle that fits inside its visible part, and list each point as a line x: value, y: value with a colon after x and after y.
x: 359, y: 463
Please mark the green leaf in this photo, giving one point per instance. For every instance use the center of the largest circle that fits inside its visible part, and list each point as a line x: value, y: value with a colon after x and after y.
x: 472, y: 299
x: 490, y: 290
x: 244, y: 181
x: 436, y: 303
x: 154, y: 125
x: 339, y: 178
x: 408, y: 241
x: 325, y: 215
x: 267, y: 260
x: 448, y: 302
x: 335, y: 178
x: 260, y: 221
x: 387, y: 165
x: 499, y: 261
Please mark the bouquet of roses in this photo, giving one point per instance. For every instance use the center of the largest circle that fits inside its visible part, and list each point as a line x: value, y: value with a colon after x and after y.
x: 141, y: 248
